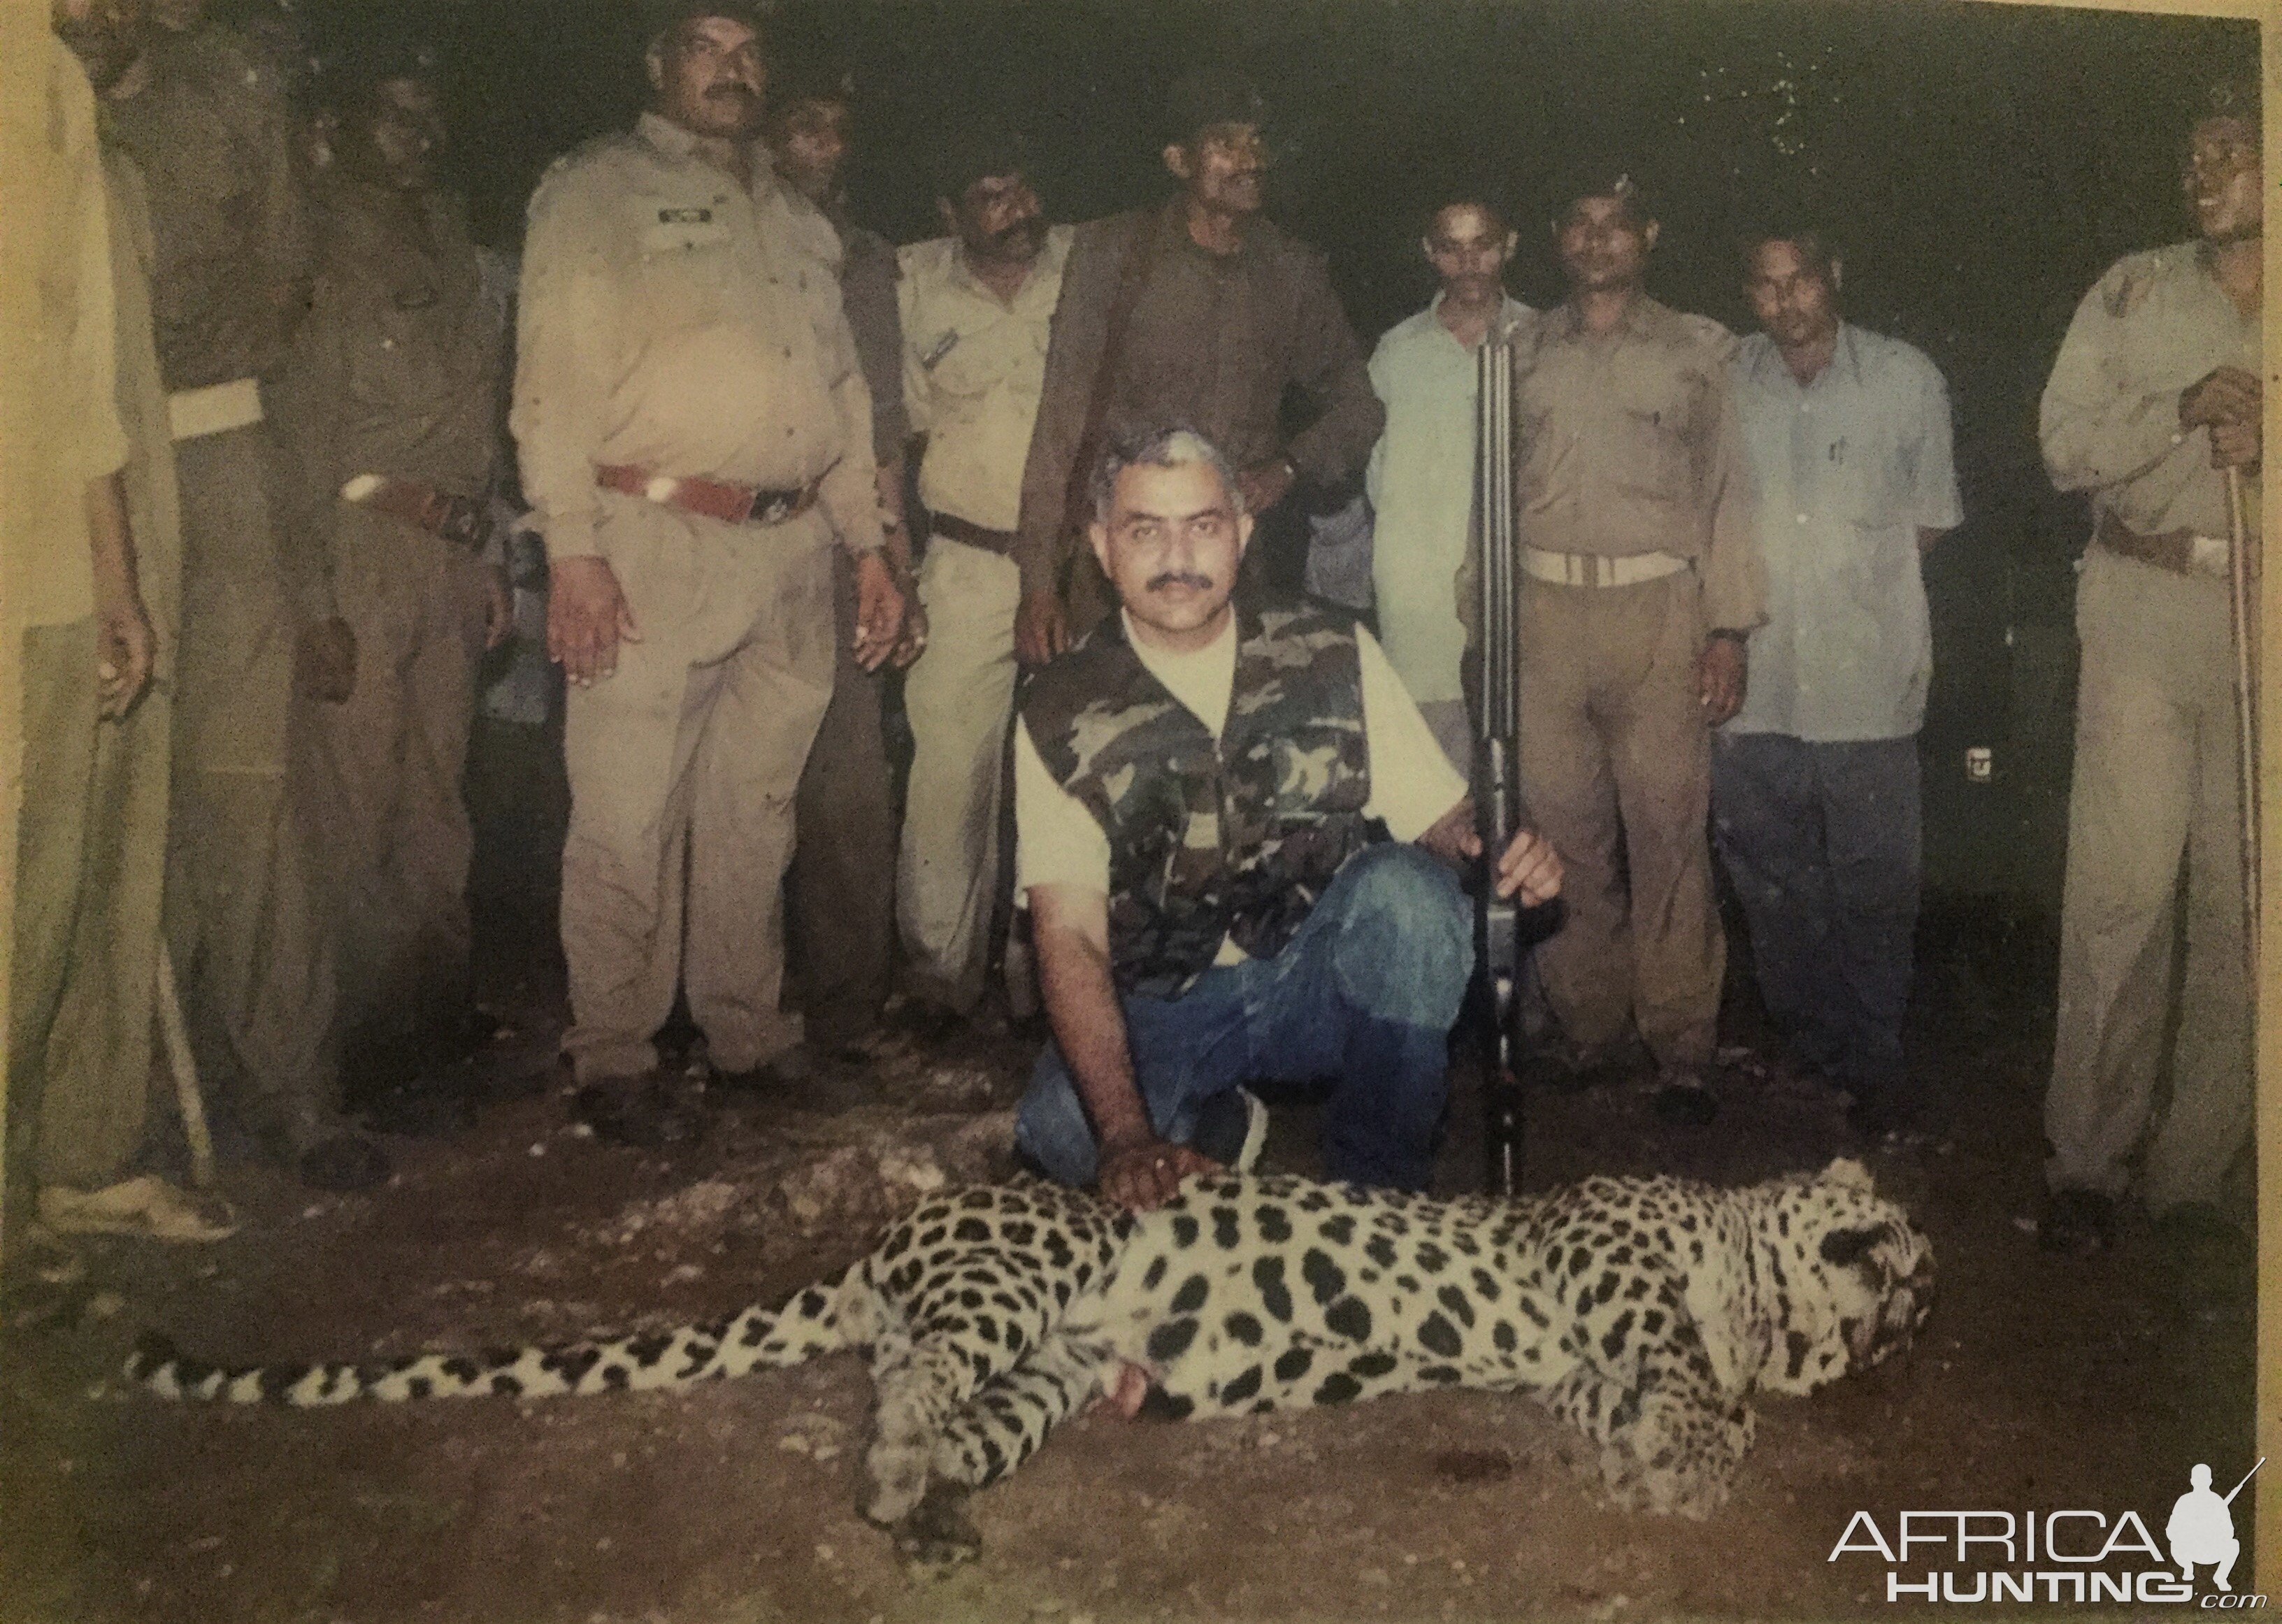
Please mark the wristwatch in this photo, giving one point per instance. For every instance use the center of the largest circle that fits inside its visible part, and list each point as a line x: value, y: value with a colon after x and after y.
x: 1730, y: 633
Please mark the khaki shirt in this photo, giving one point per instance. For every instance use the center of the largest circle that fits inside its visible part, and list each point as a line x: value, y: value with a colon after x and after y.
x: 209, y: 132
x: 2153, y: 325
x: 670, y: 322
x: 974, y: 368
x: 63, y: 386
x: 1627, y: 443
x: 395, y: 371
x: 154, y: 511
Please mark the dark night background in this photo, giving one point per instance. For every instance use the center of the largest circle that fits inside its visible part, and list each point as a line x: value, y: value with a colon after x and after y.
x: 1981, y: 166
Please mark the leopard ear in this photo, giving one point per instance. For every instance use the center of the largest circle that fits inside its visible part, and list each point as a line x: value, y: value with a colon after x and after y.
x: 1847, y: 1174
x: 1848, y: 1246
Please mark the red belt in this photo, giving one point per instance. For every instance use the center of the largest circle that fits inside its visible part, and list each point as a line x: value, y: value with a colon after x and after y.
x: 731, y: 504
x: 456, y: 518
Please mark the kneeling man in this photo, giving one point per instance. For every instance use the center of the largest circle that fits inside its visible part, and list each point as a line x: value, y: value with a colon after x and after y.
x: 1199, y: 797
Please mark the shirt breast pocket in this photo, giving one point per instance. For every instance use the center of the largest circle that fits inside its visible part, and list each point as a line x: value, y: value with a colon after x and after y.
x: 397, y: 360
x: 685, y: 270
x: 1656, y: 424
x: 1871, y: 475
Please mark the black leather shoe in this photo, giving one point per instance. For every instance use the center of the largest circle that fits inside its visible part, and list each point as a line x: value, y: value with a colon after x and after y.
x: 928, y: 1025
x: 1873, y: 1112
x: 785, y: 1072
x: 343, y: 1164
x: 2077, y: 1223
x: 639, y: 1112
x: 1682, y: 1100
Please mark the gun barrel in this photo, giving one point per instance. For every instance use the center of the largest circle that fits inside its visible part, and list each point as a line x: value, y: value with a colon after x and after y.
x: 2245, y: 1478
x: 1497, y: 796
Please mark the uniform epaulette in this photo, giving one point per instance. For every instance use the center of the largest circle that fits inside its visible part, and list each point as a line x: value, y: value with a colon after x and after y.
x: 1703, y: 329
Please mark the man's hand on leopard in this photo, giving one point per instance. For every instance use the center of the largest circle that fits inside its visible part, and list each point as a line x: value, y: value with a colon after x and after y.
x: 1146, y: 1172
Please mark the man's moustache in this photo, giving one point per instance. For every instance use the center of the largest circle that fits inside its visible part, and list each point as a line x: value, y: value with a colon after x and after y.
x: 1032, y: 230
x: 1202, y: 583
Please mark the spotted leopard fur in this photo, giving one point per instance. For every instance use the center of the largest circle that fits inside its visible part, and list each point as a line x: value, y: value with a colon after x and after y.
x: 1644, y: 1311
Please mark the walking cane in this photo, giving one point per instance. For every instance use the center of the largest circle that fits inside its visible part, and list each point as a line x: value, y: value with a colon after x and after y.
x: 185, y: 1070
x: 2241, y: 610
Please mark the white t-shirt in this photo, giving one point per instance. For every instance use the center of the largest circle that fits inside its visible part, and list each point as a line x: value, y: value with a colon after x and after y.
x: 1413, y: 785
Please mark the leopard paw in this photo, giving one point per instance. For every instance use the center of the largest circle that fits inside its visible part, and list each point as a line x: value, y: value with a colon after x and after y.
x: 938, y: 1536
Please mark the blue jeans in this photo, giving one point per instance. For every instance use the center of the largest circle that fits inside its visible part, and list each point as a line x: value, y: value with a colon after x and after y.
x: 1364, y: 993
x: 1823, y: 843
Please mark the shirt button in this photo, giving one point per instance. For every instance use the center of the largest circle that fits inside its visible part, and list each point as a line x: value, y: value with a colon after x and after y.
x: 1802, y: 518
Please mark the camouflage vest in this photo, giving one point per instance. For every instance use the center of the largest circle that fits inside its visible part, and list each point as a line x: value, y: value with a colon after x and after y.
x: 1206, y: 841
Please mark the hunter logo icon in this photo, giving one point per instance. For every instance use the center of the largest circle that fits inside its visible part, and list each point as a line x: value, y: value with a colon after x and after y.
x: 2202, y: 1528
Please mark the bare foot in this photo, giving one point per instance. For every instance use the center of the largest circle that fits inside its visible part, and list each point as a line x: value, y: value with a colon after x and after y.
x: 1122, y: 1395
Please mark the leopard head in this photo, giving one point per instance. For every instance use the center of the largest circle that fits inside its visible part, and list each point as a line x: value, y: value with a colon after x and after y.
x: 1856, y: 1278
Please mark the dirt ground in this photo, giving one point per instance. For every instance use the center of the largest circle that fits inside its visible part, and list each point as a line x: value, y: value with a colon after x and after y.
x: 2040, y: 1384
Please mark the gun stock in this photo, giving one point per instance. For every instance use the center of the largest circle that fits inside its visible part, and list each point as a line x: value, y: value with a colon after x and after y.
x: 1497, y: 798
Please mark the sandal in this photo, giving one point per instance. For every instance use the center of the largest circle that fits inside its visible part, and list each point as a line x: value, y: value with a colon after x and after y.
x: 148, y: 1207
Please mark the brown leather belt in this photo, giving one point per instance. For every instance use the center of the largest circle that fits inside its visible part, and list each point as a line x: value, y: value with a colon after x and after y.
x: 731, y: 504
x: 2173, y: 549
x: 957, y: 529
x: 460, y: 519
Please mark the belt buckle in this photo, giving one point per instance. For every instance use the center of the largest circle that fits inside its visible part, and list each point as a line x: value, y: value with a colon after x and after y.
x: 775, y: 510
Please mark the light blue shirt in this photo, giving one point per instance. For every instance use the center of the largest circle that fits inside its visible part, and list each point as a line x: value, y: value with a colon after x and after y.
x: 1847, y: 470
x: 1421, y: 482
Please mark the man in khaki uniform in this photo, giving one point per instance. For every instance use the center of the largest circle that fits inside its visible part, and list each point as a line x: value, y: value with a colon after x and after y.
x: 75, y: 618
x: 1639, y: 584
x: 694, y: 431
x: 977, y: 309
x: 2154, y: 393
x: 100, y: 1045
x: 206, y: 127
x: 387, y: 404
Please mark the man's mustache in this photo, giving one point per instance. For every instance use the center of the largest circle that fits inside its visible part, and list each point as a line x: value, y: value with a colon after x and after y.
x: 1032, y: 229
x: 744, y: 92
x: 1179, y: 577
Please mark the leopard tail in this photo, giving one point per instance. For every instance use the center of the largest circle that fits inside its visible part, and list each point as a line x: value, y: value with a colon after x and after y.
x: 754, y: 1339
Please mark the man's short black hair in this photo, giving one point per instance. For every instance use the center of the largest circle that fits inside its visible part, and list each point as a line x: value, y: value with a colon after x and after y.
x: 1173, y: 445
x: 349, y: 77
x: 1601, y: 174
x: 801, y: 73
x: 1204, y: 96
x: 660, y: 18
x: 1490, y: 201
x: 977, y: 147
x: 1813, y: 242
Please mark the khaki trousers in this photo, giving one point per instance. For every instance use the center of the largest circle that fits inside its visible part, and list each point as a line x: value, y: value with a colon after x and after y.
x: 1614, y: 750
x: 102, y: 1044
x: 387, y: 823
x: 59, y: 741
x: 842, y: 880
x: 251, y: 954
x: 2154, y: 785
x: 959, y: 695
x: 683, y: 768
